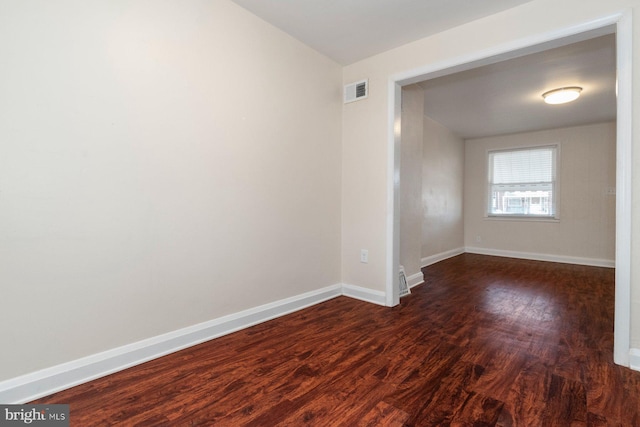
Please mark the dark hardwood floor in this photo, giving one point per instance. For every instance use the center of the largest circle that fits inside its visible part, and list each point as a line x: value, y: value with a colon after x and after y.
x: 484, y: 342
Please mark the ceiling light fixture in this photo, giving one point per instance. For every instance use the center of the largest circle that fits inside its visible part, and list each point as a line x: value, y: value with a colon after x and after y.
x: 562, y: 95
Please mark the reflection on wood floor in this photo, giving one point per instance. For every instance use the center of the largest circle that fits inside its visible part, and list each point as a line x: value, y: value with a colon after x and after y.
x: 486, y: 341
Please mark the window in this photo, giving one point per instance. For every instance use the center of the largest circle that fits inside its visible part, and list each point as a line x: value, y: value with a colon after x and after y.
x: 522, y: 182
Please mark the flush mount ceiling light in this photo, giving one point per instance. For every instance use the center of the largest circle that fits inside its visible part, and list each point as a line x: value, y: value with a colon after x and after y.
x: 562, y: 95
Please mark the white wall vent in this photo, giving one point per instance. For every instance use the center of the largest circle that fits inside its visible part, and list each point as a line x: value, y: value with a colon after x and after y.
x: 356, y: 91
x: 404, y: 289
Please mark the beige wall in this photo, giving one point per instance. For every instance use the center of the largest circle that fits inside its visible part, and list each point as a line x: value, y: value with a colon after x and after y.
x: 442, y: 190
x: 161, y: 164
x: 431, y: 186
x: 366, y: 126
x: 364, y: 180
x: 411, y: 209
x: 157, y: 170
x: 586, y: 170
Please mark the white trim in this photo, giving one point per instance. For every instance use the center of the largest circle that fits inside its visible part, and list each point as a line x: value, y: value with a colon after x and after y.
x: 393, y: 194
x: 521, y: 218
x: 594, y: 262
x: 364, y: 294
x: 622, y: 20
x: 624, y: 150
x: 501, y: 52
x: 50, y: 380
x: 415, y: 280
x: 555, y: 182
x: 425, y: 262
x: 634, y: 359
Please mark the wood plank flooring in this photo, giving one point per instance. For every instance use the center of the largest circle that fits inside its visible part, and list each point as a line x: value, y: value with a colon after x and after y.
x: 486, y: 341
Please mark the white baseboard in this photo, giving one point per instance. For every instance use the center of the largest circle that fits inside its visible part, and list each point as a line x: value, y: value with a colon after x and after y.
x: 415, y: 280
x: 424, y: 262
x: 543, y: 257
x: 634, y: 359
x: 51, y: 380
x: 364, y: 294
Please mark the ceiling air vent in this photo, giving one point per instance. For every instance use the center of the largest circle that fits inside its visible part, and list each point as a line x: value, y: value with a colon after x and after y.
x: 356, y: 91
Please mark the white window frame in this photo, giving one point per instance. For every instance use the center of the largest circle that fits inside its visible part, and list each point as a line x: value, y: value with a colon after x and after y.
x: 555, y: 216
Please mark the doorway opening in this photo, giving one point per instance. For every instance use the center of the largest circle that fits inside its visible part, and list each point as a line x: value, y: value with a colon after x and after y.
x: 618, y: 24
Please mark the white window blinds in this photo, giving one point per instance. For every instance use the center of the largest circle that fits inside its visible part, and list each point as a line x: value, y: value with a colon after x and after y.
x: 522, y: 182
x: 523, y: 166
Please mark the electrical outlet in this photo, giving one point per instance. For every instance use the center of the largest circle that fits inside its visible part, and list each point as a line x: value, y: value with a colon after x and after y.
x: 364, y: 255
x: 478, y: 239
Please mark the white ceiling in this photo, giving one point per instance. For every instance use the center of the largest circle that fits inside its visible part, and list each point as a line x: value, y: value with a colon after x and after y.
x: 506, y: 97
x: 351, y: 30
x: 501, y: 98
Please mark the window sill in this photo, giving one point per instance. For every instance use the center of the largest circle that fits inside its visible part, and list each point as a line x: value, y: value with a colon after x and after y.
x: 521, y: 218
